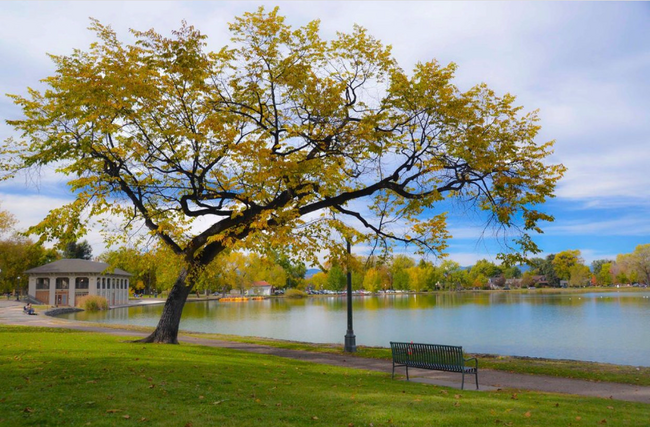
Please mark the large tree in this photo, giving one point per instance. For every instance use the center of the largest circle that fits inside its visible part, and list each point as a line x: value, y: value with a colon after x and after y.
x: 270, y: 140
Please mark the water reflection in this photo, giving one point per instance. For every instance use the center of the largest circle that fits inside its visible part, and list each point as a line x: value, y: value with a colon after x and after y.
x: 604, y: 327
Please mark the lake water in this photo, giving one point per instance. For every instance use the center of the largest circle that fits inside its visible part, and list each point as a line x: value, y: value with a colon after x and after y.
x: 612, y: 327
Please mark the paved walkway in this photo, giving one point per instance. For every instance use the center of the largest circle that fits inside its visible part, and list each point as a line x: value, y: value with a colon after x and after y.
x: 11, y: 313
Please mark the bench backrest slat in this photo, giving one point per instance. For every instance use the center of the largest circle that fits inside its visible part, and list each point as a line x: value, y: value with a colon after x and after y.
x: 428, y: 356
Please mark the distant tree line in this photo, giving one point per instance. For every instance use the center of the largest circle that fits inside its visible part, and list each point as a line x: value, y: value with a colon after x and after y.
x: 156, y: 269
x: 564, y: 268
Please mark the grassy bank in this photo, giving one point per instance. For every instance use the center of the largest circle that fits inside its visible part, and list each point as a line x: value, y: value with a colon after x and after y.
x: 55, y: 377
x: 589, y: 371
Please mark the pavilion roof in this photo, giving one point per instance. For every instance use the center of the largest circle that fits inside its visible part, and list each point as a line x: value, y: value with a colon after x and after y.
x: 67, y: 266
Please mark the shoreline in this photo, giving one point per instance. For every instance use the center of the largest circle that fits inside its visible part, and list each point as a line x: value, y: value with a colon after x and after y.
x: 496, y: 356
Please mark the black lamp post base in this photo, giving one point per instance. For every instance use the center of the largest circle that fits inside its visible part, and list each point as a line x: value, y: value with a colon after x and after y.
x: 350, y: 343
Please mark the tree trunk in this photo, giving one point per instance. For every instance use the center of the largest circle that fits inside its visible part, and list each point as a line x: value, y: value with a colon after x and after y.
x: 167, y: 330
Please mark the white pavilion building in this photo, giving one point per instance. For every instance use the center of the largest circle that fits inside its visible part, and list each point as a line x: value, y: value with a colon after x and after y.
x: 62, y: 282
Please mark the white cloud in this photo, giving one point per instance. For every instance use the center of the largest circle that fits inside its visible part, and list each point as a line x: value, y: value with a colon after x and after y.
x: 623, y: 226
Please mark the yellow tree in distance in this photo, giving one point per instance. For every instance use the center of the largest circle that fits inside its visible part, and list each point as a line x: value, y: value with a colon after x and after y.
x: 269, y: 141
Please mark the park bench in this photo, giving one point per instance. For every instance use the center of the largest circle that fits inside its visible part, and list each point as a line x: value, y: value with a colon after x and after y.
x: 434, y: 357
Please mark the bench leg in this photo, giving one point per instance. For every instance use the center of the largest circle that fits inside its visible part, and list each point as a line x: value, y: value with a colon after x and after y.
x: 462, y: 384
x: 476, y: 375
x: 407, y: 371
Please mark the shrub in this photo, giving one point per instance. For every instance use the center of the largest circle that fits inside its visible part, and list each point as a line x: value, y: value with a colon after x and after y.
x: 92, y: 303
x: 294, y: 293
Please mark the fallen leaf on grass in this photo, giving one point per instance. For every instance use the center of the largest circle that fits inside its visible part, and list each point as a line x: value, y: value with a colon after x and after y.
x: 602, y: 422
x: 314, y: 418
x: 527, y: 414
x: 456, y: 403
x: 457, y: 396
x: 610, y: 407
x: 578, y: 418
x: 126, y: 417
x: 112, y: 411
x: 28, y: 410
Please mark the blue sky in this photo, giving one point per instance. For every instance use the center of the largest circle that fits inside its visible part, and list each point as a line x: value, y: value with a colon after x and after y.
x: 585, y: 66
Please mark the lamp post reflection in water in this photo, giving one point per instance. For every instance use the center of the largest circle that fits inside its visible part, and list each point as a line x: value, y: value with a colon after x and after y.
x: 350, y: 339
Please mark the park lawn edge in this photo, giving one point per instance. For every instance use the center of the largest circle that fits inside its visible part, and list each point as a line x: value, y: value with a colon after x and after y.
x: 562, y: 368
x: 64, y: 376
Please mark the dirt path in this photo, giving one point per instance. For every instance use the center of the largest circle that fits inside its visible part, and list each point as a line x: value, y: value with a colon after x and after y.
x: 11, y: 313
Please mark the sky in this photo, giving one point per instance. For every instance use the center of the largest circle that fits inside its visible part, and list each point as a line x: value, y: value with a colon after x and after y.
x: 584, y: 65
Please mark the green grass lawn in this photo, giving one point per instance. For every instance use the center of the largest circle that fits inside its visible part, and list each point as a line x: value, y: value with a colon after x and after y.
x: 55, y: 377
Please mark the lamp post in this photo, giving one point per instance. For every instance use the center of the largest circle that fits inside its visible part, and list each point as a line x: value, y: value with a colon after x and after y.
x: 350, y: 339
x: 17, y: 288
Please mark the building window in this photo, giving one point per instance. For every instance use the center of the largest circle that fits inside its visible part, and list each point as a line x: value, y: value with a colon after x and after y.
x: 43, y: 283
x: 81, y: 283
x: 103, y: 283
x: 62, y: 283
